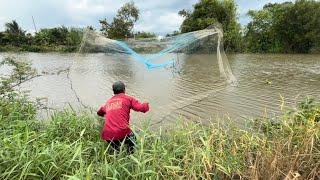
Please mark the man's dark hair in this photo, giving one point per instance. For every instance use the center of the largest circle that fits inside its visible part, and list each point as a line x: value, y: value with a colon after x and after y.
x: 118, y: 87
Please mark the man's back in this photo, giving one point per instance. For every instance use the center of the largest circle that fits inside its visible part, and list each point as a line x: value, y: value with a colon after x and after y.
x: 117, y: 115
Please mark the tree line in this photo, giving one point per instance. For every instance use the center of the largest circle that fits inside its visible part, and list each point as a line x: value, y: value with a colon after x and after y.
x: 47, y: 39
x: 289, y: 27
x: 14, y: 38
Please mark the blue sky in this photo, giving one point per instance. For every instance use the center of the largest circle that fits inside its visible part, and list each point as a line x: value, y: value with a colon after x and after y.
x: 160, y: 16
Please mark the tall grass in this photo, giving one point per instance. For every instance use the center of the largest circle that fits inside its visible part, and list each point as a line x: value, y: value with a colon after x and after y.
x: 68, y: 146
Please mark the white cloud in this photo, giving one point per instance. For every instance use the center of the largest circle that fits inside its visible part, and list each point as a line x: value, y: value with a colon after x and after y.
x: 92, y: 8
x: 170, y: 19
x: 167, y: 22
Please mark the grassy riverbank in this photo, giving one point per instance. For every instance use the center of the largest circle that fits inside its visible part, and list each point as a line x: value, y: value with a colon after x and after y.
x: 69, y: 146
x: 39, y: 48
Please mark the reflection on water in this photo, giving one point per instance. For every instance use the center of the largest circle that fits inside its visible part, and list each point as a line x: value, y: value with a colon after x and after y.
x: 196, y: 91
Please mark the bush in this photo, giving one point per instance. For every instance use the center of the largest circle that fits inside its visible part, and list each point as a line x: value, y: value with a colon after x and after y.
x: 69, y: 145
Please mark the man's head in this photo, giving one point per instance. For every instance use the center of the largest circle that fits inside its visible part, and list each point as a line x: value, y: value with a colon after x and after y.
x: 118, y: 87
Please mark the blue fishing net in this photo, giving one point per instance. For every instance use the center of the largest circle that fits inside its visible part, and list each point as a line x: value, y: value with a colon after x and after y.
x: 208, y: 40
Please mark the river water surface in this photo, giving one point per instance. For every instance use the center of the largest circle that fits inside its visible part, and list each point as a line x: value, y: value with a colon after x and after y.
x: 193, y: 89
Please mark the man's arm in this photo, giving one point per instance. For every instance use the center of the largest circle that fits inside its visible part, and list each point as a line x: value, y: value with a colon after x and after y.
x: 102, y: 111
x: 137, y: 106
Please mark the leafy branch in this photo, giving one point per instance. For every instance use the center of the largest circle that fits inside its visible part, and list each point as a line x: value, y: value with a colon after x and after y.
x: 21, y: 72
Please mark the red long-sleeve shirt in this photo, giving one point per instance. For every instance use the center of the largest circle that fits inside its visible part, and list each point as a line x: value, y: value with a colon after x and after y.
x: 117, y: 115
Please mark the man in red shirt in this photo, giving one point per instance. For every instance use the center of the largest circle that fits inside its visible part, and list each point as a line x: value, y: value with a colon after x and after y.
x: 116, y: 111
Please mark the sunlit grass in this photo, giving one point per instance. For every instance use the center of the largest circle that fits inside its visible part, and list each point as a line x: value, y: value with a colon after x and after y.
x: 68, y: 145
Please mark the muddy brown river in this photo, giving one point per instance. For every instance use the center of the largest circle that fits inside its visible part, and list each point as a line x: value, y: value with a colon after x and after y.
x: 192, y: 91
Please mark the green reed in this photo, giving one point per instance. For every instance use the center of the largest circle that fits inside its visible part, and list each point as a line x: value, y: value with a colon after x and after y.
x: 68, y: 146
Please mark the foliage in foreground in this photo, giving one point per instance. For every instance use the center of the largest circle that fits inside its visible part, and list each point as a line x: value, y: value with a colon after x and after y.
x: 69, y: 145
x: 21, y: 71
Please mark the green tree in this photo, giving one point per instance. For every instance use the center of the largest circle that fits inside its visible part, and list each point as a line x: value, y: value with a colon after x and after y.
x: 2, y: 35
x: 174, y: 33
x: 298, y: 28
x: 74, y: 37
x: 209, y: 12
x: 56, y: 36
x: 59, y: 36
x: 143, y: 34
x: 260, y: 34
x: 64, y: 39
x: 122, y: 25
x: 14, y: 28
x: 13, y: 35
x: 285, y: 28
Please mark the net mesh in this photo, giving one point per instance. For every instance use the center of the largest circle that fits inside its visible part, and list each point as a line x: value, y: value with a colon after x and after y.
x: 150, y: 51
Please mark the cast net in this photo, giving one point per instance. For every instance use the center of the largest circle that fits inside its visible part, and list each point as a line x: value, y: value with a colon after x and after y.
x: 154, y: 52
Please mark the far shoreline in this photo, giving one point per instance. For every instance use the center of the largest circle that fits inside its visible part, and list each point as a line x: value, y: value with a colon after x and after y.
x: 73, y: 49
